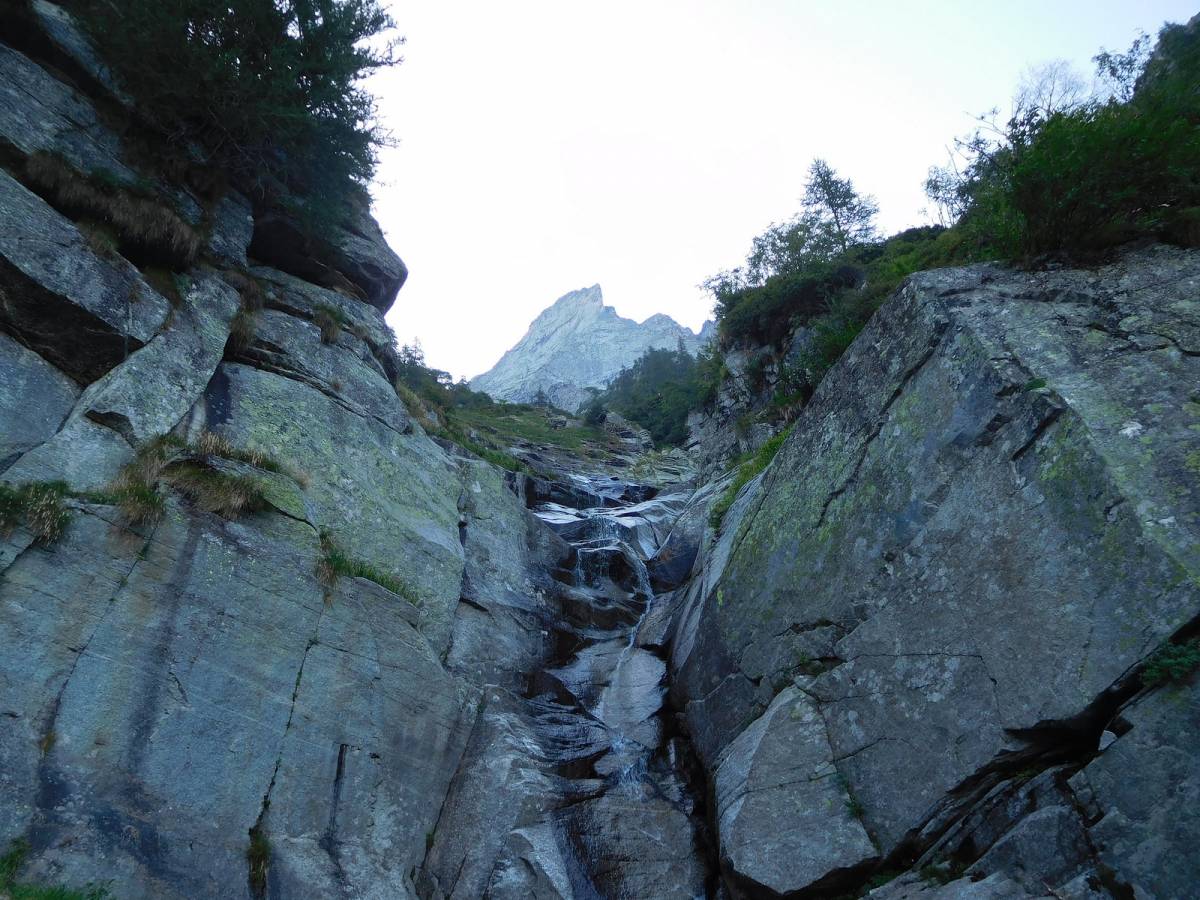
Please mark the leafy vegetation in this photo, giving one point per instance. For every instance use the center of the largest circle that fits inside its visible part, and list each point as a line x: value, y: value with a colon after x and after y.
x: 10, y: 865
x: 1172, y: 662
x: 272, y: 89
x: 1074, y: 175
x: 335, y: 562
x: 747, y: 469
x: 657, y: 392
x: 37, y: 505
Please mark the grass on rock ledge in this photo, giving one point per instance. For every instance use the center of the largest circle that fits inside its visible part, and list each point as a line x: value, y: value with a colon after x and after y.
x: 11, y: 889
x: 747, y: 470
x: 336, y: 562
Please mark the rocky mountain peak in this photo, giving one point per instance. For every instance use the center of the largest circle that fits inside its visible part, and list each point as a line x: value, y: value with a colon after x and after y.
x: 575, y: 343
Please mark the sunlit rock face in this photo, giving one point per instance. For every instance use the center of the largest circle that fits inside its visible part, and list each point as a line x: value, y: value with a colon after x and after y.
x: 578, y: 343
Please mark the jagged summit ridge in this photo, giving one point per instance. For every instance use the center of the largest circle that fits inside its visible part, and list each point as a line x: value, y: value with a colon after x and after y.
x: 575, y: 343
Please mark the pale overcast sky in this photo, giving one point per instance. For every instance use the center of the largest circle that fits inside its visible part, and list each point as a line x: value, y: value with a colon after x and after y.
x: 546, y: 145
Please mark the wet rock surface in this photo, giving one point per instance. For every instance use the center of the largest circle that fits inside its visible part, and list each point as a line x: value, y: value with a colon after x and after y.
x: 573, y: 787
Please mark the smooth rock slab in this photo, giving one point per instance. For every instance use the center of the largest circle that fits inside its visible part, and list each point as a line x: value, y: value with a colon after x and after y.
x: 783, y: 814
x: 81, y: 312
x: 35, y: 398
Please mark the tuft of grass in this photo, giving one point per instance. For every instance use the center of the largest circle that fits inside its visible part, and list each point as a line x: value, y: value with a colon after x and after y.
x: 335, y: 563
x: 39, y: 505
x: 1034, y: 384
x: 745, y: 473
x: 143, y: 225
x: 217, y: 492
x: 331, y: 321
x: 1172, y: 662
x: 11, y: 863
x: 245, y: 323
x: 258, y: 856
x: 172, y: 461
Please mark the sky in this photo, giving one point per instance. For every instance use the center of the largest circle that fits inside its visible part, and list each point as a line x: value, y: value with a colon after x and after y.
x: 542, y: 146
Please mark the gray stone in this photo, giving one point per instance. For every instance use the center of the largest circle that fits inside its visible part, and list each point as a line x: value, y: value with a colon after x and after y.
x: 1145, y: 789
x: 354, y: 258
x: 35, y: 398
x: 951, y: 538
x: 81, y: 312
x: 361, y: 472
x: 784, y: 816
x: 40, y: 112
x: 231, y: 227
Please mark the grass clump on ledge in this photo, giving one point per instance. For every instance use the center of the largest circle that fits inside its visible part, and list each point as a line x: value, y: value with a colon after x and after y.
x: 1172, y: 662
x: 331, y: 321
x: 745, y: 473
x: 11, y: 889
x: 336, y: 562
x: 171, y: 461
x: 37, y: 505
x: 142, y: 225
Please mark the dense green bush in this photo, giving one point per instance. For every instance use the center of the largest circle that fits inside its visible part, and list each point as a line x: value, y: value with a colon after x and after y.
x: 270, y: 88
x: 1091, y: 174
x: 659, y: 390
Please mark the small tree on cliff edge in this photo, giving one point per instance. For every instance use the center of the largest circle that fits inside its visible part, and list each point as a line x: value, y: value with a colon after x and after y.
x: 835, y: 211
x: 270, y: 88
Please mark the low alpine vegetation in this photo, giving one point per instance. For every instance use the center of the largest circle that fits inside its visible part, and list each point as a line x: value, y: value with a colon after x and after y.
x: 331, y: 321
x: 336, y: 562
x: 140, y: 225
x: 747, y: 470
x: 1172, y: 662
x: 10, y: 887
x: 192, y: 469
x: 39, y: 506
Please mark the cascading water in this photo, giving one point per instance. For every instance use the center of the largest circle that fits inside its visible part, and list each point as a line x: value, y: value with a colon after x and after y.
x: 600, y: 718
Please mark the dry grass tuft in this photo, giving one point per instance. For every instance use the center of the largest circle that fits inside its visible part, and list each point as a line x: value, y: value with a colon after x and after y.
x: 143, y: 224
x: 331, y: 321
x: 39, y: 505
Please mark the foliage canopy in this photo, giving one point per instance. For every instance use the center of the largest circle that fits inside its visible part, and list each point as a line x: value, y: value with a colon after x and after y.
x: 270, y: 89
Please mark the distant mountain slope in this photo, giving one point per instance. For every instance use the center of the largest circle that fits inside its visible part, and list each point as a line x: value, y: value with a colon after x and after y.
x: 577, y: 343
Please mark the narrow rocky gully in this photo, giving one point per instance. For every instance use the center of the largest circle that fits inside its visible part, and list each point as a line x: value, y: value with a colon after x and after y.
x: 632, y: 819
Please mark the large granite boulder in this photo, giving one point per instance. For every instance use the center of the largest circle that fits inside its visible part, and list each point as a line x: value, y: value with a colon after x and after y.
x: 982, y: 524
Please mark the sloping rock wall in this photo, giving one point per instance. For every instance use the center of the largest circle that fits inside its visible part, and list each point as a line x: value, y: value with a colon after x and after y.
x: 983, y: 524
x: 172, y: 692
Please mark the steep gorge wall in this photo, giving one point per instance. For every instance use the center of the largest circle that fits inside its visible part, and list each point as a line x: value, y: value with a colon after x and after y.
x: 916, y: 627
x: 166, y: 688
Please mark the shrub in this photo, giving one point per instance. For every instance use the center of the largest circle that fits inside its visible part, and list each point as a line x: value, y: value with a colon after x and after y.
x: 746, y: 471
x: 335, y: 562
x: 1172, y: 662
x: 271, y: 88
x: 142, y: 226
x: 39, y: 506
x: 657, y: 392
x: 1077, y: 179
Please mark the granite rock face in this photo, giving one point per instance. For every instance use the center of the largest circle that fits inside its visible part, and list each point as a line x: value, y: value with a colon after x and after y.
x: 985, y: 521
x: 173, y: 691
x: 578, y: 343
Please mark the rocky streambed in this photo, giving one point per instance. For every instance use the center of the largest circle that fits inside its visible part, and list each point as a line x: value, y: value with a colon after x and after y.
x: 607, y: 803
